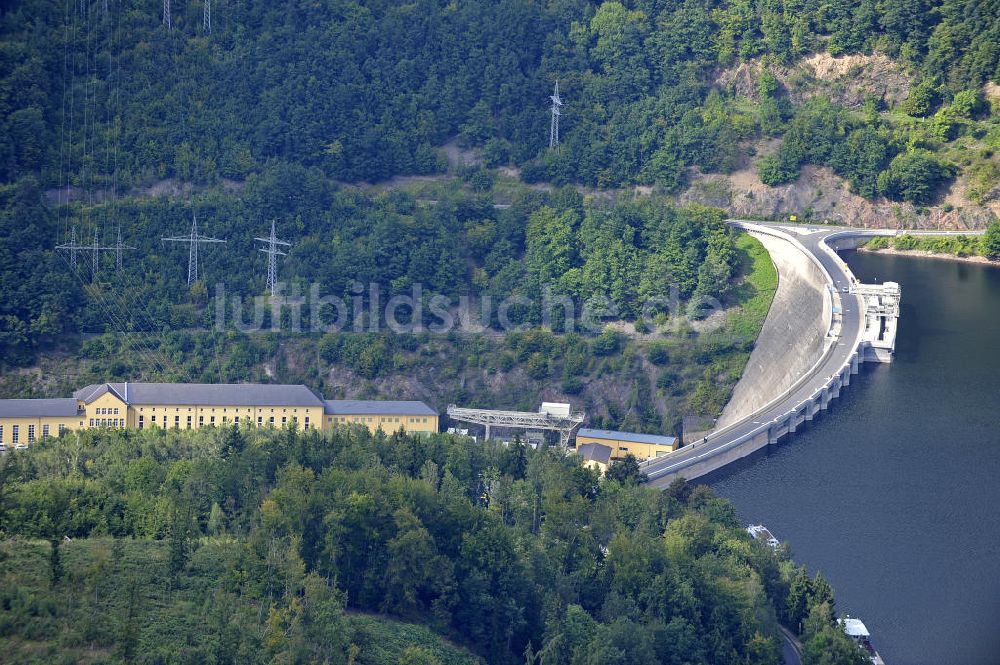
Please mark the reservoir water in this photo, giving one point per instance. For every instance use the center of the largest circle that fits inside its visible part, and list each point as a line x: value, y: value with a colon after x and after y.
x: 894, y: 493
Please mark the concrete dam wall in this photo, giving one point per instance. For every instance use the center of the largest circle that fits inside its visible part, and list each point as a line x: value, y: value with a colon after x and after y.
x: 794, y: 332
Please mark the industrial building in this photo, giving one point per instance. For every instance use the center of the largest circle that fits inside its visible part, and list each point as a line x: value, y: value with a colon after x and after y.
x: 196, y: 405
x: 642, y: 446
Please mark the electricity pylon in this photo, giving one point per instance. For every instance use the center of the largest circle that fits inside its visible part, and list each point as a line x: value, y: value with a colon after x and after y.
x: 194, y: 239
x: 273, y: 252
x: 556, y: 112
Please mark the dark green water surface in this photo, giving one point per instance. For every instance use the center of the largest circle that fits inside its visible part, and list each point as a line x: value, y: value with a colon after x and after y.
x: 894, y: 493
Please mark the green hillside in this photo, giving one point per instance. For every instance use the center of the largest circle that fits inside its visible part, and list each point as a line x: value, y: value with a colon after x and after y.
x: 367, y: 90
x: 261, y: 546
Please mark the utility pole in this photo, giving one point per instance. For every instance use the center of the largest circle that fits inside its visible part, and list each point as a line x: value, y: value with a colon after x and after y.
x: 556, y: 112
x: 194, y: 239
x: 206, y: 18
x: 273, y: 252
x: 166, y: 14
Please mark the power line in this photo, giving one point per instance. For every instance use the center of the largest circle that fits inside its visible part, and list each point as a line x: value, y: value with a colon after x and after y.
x: 273, y: 252
x: 194, y: 239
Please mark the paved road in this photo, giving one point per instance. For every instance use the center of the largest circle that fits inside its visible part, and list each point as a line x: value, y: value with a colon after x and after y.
x: 791, y: 648
x: 807, y: 386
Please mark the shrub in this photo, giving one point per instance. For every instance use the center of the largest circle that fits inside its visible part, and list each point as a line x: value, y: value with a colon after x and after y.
x: 658, y: 354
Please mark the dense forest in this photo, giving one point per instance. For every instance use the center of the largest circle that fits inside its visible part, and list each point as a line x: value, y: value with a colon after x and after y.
x: 367, y: 90
x: 258, y: 546
x: 616, y: 256
x: 273, y: 111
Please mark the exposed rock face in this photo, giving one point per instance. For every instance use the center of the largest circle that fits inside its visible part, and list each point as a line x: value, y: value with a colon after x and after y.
x: 846, y: 80
x: 820, y: 195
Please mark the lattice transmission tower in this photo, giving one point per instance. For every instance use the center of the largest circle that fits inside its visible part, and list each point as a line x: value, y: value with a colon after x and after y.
x: 273, y: 252
x: 166, y: 15
x: 206, y: 17
x: 556, y: 112
x: 119, y: 246
x: 195, y: 239
x: 72, y: 247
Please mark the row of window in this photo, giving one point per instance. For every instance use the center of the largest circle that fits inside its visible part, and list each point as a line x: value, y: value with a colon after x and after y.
x: 191, y: 408
x: 107, y: 422
x: 371, y: 419
x: 107, y: 411
x: 212, y: 423
x: 15, y: 432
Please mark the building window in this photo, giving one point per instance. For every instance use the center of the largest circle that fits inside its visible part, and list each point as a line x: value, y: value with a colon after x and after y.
x: 14, y: 431
x: 283, y: 421
x: 152, y: 420
x: 307, y: 422
x: 177, y: 422
x: 260, y: 421
x: 201, y: 421
x: 116, y: 410
x: 140, y: 420
x: 62, y: 428
x: 211, y: 421
x: 271, y: 421
x: 1, y: 433
x: 189, y: 422
x: 91, y: 422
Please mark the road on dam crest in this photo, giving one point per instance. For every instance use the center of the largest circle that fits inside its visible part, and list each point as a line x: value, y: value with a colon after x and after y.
x: 860, y: 326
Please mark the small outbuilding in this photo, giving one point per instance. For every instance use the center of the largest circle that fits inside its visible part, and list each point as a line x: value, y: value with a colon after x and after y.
x: 595, y: 456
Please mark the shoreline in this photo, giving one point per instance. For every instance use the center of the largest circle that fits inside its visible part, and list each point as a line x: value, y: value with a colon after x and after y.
x: 926, y: 254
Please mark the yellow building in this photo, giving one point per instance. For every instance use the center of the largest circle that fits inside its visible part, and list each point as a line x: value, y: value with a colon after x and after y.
x: 24, y: 420
x: 642, y: 446
x: 389, y: 416
x: 196, y: 405
x: 595, y: 456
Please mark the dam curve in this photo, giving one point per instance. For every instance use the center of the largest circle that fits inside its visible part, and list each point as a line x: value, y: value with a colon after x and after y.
x: 793, y: 373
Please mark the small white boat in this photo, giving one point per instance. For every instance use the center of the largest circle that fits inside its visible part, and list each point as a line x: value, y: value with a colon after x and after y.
x: 761, y: 532
x: 857, y: 631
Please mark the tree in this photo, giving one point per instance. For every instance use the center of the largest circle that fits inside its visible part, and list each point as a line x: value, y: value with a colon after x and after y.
x: 626, y: 471
x: 418, y: 656
x: 920, y: 102
x: 797, y: 601
x: 55, y: 562
x: 991, y: 241
x: 914, y: 177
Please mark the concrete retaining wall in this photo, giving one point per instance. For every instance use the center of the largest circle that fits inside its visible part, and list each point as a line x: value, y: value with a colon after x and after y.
x: 793, y: 334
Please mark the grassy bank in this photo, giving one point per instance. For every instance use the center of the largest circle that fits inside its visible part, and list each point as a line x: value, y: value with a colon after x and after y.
x: 756, y: 291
